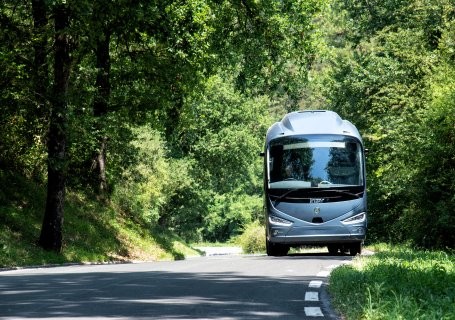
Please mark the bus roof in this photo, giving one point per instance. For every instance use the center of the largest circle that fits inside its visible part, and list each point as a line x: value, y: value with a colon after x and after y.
x: 312, y: 122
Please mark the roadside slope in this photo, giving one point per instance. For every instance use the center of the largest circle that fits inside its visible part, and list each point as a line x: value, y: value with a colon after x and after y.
x: 93, y: 232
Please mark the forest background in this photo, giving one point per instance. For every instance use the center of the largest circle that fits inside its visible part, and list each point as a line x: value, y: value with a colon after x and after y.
x: 158, y: 110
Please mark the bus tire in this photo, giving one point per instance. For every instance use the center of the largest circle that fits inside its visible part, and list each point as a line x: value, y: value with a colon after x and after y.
x: 355, y: 249
x: 275, y: 249
x: 333, y: 249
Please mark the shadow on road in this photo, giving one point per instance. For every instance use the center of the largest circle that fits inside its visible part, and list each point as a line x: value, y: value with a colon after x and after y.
x: 156, y: 294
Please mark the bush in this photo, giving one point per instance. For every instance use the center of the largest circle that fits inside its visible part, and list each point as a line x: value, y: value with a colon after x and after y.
x: 146, y: 187
x: 229, y: 214
x: 253, y: 238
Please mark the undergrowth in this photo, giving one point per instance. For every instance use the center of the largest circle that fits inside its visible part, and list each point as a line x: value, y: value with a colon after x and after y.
x: 92, y: 232
x: 396, y: 283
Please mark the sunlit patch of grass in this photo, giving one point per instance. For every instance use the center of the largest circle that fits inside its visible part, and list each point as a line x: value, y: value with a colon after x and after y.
x: 396, y: 283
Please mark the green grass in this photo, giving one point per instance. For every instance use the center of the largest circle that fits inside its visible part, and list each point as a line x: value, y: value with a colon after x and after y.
x: 396, y: 283
x: 92, y: 232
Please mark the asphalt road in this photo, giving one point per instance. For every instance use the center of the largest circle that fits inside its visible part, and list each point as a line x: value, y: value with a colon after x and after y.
x: 211, y: 287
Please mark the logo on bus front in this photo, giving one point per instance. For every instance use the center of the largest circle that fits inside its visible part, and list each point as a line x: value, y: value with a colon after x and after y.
x: 316, y: 200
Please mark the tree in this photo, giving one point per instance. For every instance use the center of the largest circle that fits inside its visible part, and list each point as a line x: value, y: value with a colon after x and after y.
x: 51, y: 231
x: 221, y: 133
x: 136, y: 63
x: 24, y: 81
x: 383, y: 60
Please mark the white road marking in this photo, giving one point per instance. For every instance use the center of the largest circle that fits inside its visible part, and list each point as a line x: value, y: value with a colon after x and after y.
x: 314, y: 295
x: 315, y: 284
x: 313, y: 312
x: 220, y: 251
x: 311, y: 296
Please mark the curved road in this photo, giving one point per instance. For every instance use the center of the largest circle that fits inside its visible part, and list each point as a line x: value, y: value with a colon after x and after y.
x: 213, y: 287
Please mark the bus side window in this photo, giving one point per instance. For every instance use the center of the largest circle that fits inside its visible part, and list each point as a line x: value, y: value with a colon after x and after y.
x: 276, y: 160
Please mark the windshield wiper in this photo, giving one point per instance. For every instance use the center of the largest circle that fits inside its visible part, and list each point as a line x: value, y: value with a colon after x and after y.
x: 284, y: 195
x: 344, y: 192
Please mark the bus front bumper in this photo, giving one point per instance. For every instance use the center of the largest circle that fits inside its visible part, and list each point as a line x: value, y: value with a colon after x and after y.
x: 316, y: 234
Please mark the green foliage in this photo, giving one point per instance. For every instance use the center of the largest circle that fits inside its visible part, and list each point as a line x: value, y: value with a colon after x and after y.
x: 437, y: 196
x: 20, y: 206
x: 365, y: 19
x: 222, y: 131
x: 228, y: 214
x: 252, y: 240
x: 272, y: 42
x: 154, y: 179
x: 22, y: 118
x: 397, y: 283
x: 161, y: 72
x: 93, y: 232
x: 383, y: 67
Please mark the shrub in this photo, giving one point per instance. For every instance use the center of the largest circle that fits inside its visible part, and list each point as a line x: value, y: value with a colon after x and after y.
x: 253, y: 238
x: 147, y: 186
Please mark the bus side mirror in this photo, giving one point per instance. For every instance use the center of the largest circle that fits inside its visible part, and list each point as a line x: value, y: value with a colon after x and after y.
x: 366, y: 152
x: 262, y: 154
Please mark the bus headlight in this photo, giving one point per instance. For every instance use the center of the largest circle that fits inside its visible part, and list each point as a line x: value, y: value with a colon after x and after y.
x: 358, y: 218
x: 279, y: 221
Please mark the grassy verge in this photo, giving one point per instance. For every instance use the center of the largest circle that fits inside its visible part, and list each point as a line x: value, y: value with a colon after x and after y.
x: 396, y: 283
x: 92, y: 232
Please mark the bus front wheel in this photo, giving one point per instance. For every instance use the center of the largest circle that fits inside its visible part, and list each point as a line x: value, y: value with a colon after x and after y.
x: 275, y: 249
x: 355, y: 249
x: 333, y: 249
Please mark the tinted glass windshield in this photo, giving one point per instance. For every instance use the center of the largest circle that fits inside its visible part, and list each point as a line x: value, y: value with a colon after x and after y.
x: 310, y: 161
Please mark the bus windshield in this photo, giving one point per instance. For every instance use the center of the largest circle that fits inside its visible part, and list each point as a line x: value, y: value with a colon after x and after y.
x: 315, y: 161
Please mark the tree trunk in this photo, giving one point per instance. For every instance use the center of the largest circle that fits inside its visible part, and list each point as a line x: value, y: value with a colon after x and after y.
x: 51, y: 231
x: 100, y: 108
